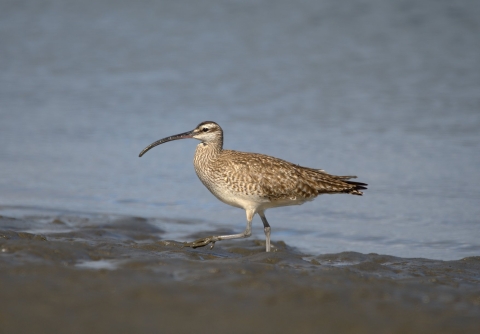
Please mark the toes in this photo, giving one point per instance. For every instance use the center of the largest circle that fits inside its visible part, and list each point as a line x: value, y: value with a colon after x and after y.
x: 201, y: 242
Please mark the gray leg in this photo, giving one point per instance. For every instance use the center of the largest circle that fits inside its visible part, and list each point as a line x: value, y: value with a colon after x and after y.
x: 212, y: 239
x: 266, y: 229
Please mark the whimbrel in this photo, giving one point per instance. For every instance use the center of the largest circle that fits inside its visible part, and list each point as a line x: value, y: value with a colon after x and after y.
x: 254, y: 182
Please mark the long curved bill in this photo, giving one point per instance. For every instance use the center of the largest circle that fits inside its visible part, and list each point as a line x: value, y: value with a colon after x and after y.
x: 167, y: 139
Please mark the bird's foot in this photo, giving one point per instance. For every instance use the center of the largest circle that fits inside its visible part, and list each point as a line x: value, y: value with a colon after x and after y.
x: 202, y: 242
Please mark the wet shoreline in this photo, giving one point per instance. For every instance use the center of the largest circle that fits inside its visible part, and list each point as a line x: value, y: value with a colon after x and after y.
x: 122, y: 276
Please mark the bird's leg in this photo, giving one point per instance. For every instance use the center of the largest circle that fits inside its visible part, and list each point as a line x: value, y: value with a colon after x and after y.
x: 266, y: 229
x: 212, y: 239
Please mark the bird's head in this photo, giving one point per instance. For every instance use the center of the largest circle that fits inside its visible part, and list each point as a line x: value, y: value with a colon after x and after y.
x: 206, y: 132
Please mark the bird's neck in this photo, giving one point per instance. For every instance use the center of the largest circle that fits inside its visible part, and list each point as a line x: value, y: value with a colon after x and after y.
x: 210, y: 149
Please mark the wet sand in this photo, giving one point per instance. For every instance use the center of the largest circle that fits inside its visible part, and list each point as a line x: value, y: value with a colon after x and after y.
x: 119, y: 275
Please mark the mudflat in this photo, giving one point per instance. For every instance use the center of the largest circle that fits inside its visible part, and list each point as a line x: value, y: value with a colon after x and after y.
x: 119, y: 275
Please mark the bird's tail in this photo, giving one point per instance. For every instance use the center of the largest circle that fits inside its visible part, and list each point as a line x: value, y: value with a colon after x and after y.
x: 356, y: 190
x: 346, y: 177
x: 357, y: 186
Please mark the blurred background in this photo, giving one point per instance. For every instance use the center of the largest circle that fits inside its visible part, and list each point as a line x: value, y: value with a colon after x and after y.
x: 386, y: 90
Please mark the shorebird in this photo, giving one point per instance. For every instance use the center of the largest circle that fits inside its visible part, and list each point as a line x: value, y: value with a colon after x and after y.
x: 254, y: 182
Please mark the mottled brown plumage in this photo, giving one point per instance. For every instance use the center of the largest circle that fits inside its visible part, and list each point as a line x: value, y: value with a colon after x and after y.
x: 255, y: 182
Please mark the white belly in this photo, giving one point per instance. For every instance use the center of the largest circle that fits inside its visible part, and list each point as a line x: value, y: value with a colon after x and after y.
x: 236, y: 199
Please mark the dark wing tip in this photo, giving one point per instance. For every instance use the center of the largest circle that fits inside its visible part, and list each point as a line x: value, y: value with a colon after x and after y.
x: 358, y: 187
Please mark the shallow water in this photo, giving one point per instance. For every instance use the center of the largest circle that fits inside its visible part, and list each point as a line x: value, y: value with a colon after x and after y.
x: 119, y: 274
x: 386, y: 91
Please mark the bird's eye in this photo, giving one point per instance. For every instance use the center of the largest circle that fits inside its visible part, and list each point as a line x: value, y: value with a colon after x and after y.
x: 205, y: 129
